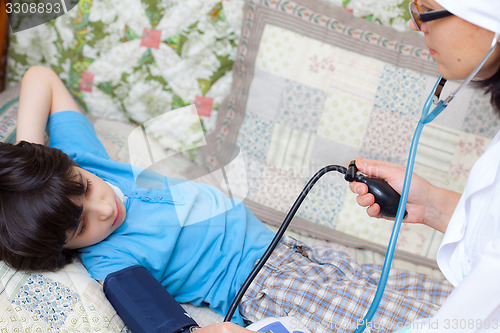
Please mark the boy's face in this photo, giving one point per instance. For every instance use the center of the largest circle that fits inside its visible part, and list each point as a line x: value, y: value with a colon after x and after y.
x: 103, y: 212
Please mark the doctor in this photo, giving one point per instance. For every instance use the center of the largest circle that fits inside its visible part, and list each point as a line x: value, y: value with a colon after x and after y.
x: 469, y: 255
x: 459, y: 34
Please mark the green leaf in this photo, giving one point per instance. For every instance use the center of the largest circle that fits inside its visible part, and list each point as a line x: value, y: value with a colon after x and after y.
x: 176, y: 42
x: 147, y: 58
x: 128, y: 34
x: 107, y: 88
x: 178, y: 102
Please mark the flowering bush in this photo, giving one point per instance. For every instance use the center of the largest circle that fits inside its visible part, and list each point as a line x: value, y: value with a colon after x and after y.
x: 136, y: 59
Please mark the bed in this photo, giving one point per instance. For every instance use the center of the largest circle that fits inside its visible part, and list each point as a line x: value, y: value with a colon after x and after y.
x: 296, y: 85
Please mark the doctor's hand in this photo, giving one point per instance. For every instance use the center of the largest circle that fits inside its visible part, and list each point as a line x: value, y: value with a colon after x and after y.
x: 427, y: 204
x: 223, y: 328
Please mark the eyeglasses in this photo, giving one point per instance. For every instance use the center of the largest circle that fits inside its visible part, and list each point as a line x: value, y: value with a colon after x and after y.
x: 418, y: 17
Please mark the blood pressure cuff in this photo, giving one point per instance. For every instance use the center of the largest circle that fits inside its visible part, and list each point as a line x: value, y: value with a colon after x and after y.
x: 144, y: 304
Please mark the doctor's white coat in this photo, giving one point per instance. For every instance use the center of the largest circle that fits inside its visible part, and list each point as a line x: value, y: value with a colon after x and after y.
x: 469, y: 255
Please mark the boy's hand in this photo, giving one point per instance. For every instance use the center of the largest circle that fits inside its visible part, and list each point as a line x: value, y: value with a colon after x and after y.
x: 42, y: 93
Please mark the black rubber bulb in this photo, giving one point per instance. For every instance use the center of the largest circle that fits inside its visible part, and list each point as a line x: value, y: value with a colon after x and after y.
x: 385, y: 195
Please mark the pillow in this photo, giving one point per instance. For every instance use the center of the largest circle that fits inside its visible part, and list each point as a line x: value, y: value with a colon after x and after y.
x: 313, y: 86
x: 65, y: 301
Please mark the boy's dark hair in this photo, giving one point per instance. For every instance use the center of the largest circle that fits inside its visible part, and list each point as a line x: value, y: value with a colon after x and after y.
x: 38, y: 190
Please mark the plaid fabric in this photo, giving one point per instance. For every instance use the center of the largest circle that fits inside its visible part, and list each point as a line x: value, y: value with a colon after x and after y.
x: 329, y: 292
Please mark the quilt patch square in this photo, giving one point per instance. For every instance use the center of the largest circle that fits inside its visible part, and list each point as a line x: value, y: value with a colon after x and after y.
x: 37, y: 297
x: 254, y: 170
x: 326, y: 152
x: 480, y: 121
x: 301, y: 107
x: 277, y: 52
x: 278, y: 188
x: 345, y: 119
x: 388, y: 136
x: 400, y: 91
x: 290, y: 149
x: 264, y: 94
x: 469, y: 148
x: 356, y: 74
x: 255, y: 137
x: 323, y: 204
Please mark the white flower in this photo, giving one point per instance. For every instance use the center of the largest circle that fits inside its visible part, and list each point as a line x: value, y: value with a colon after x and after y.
x: 102, y: 105
x: 41, y: 39
x: 233, y: 9
x: 214, y: 29
x: 102, y: 45
x: 400, y: 24
x: 177, y: 129
x: 200, y: 8
x: 176, y: 19
x: 383, y: 11
x: 66, y: 67
x: 223, y: 47
x: 177, y: 72
x: 121, y: 92
x: 110, y: 31
x: 199, y: 56
x: 90, y: 52
x: 147, y: 99
x: 120, y: 59
x: 106, y: 12
x: 132, y: 13
x: 195, y: 44
x: 63, y: 25
x: 203, y: 65
x: 221, y: 88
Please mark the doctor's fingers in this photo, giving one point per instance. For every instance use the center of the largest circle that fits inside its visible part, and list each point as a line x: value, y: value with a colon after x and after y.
x: 374, y: 211
x: 358, y: 188
x: 365, y: 200
x: 379, y: 169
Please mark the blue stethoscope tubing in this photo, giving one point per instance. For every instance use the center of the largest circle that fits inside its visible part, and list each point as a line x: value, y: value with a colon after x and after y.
x: 425, y: 118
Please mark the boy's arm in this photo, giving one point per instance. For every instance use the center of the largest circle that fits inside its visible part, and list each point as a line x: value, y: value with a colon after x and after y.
x: 42, y: 93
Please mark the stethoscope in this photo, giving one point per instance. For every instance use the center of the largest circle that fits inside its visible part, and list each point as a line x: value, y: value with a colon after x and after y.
x: 384, y: 194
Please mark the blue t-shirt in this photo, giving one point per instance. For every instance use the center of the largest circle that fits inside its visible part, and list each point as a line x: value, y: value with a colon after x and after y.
x: 199, y: 244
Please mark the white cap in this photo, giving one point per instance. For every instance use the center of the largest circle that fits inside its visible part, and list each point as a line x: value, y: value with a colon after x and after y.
x: 483, y: 13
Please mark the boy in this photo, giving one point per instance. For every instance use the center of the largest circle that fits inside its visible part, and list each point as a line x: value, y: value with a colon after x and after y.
x: 194, y: 244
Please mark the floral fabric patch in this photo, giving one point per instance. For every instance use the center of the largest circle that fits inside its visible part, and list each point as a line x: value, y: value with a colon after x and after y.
x: 36, y: 297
